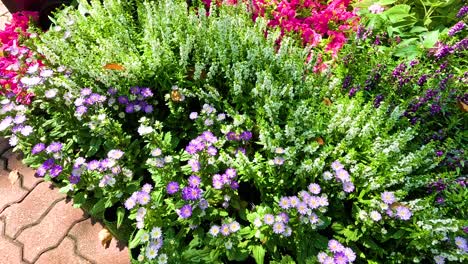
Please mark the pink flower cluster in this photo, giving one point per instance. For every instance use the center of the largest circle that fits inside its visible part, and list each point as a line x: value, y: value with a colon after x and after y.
x: 15, y: 59
x: 317, y: 22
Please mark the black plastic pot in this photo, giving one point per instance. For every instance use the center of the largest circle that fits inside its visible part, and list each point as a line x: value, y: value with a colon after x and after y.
x: 44, y: 7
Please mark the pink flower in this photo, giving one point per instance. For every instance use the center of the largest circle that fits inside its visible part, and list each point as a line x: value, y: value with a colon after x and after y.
x: 376, y: 9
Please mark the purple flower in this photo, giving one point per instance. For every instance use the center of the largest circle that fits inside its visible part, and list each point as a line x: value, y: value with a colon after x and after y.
x: 269, y: 219
x: 388, y: 197
x: 314, y: 188
x: 232, y: 136
x: 115, y: 154
x: 353, y: 91
x: 336, y: 165
x: 85, y: 91
x: 456, y: 28
x: 284, y: 203
x: 348, y: 187
x: 212, y: 151
x: 435, y: 109
x: 350, y: 254
x: 122, y: 100
x: 41, y: 171
x: 129, y: 108
x: 172, y: 188
x: 231, y: 173
x: 195, y: 165
x: 340, y: 258
x: 314, y: 202
x: 342, y: 175
x: 185, y: 211
x: 208, y: 122
x: 378, y: 100
x: 74, y: 179
x: 48, y: 164
x: 403, y: 213
x: 112, y: 91
x: 55, y: 171
x: 302, y: 208
x: 278, y: 161
x: 335, y: 246
x: 284, y: 217
x: 148, y: 109
x: 81, y: 110
x: 146, y: 92
x: 39, y: 147
x: 130, y: 203
x: 194, y: 181
x: 462, y: 12
x: 422, y: 80
x: 225, y: 230
x: 217, y: 184
x: 461, y: 243
x: 143, y: 198
x: 54, y: 147
x: 278, y: 227
x: 246, y: 135
x: 193, y: 115
x: 234, y: 185
x: 135, y: 90
x: 203, y: 204
x: 93, y: 165
x: 147, y: 187
x: 209, y: 137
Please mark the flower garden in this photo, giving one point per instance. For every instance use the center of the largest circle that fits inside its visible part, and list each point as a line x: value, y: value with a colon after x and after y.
x: 251, y: 132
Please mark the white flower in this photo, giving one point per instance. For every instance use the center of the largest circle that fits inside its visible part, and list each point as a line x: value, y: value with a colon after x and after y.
x: 50, y: 93
x: 31, y: 81
x: 46, y: 73
x: 26, y: 131
x: 376, y: 9
x: 144, y: 130
x: 257, y: 222
x: 13, y: 141
x: 162, y: 259
x: 33, y: 68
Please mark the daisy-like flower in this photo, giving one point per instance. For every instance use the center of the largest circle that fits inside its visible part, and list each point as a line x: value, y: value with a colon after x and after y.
x: 336, y: 165
x: 403, y: 213
x: 39, y: 147
x: 269, y: 219
x: 342, y: 175
x: 348, y: 187
x: 19, y: 119
x: 194, y: 181
x: 335, y: 246
x: 185, y: 211
x: 145, y: 237
x: 172, y: 188
x: 162, y: 259
x: 284, y: 217
x: 460, y: 242
x: 156, y: 152
x: 388, y: 197
x: 313, y: 218
x: 314, y: 188
x: 214, y: 230
x: 193, y: 115
x: 143, y: 198
x: 203, y: 204
x: 51, y: 93
x: 115, y: 154
x: 151, y: 252
x: 284, y: 203
x: 234, y: 227
x: 302, y: 208
x: 278, y: 227
x: 130, y: 203
x: 156, y: 233
x: 321, y: 256
x: 439, y: 259
x: 54, y: 147
x: 314, y: 202
x: 147, y: 187
x: 376, y: 216
x: 287, y: 231
x: 350, y: 254
x: 293, y: 201
x: 278, y: 161
x: 340, y: 258
x: 225, y: 230
x: 376, y: 9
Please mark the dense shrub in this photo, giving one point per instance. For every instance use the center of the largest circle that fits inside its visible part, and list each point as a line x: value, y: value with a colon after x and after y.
x: 215, y: 144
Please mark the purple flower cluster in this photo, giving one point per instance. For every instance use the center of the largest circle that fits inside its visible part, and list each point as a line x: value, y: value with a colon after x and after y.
x: 87, y: 99
x: 136, y: 102
x: 462, y: 12
x: 225, y: 229
x: 277, y: 223
x: 342, y: 176
x: 378, y: 100
x: 233, y: 136
x: 347, y: 81
x: 339, y: 254
x: 395, y: 209
x: 203, y: 142
x: 456, y: 28
x: 141, y: 197
x: 225, y: 179
x: 50, y: 167
x: 461, y: 243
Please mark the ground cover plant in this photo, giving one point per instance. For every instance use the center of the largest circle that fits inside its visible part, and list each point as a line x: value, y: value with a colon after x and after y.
x: 207, y: 136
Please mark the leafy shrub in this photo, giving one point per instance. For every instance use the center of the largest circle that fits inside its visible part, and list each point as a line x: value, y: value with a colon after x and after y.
x: 222, y: 146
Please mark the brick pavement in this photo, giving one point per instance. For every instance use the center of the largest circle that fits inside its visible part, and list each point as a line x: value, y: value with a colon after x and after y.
x: 40, y: 225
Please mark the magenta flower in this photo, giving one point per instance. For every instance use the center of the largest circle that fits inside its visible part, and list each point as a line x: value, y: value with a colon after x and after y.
x: 185, y: 211
x: 39, y: 147
x: 172, y: 188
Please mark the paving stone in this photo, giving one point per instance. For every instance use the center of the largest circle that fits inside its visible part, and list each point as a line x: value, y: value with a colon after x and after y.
x: 9, y: 193
x: 64, y: 253
x: 9, y: 253
x: 50, y: 231
x: 89, y: 246
x: 4, y: 145
x: 36, y: 203
x: 15, y: 163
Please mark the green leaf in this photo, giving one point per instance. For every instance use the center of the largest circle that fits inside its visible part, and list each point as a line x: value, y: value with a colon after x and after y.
x: 397, y: 13
x: 98, y: 207
x: 78, y: 199
x: 386, y: 2
x: 120, y: 216
x: 430, y: 39
x: 136, y: 239
x: 258, y: 253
